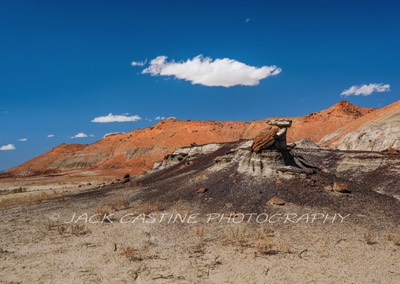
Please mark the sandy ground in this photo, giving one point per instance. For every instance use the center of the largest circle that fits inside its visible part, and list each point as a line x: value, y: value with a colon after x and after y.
x: 37, y: 246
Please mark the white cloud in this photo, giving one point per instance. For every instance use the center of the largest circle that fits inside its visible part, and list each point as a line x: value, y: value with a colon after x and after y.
x: 50, y: 136
x: 91, y: 135
x: 159, y: 118
x: 23, y: 139
x: 79, y: 135
x: 138, y: 63
x: 116, y: 118
x: 247, y: 20
x: 7, y: 147
x: 205, y: 71
x: 366, y: 90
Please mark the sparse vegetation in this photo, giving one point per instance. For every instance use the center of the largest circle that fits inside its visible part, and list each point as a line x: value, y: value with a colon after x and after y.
x: 50, y: 225
x: 263, y: 241
x: 24, y: 200
x: 239, y: 236
x: 103, y: 212
x: 394, y: 238
x: 116, y: 203
x: 148, y: 207
x: 128, y: 252
x: 61, y: 230
x: 264, y: 246
x: 79, y: 229
x: 200, y: 246
x: 369, y: 238
x: 136, y: 254
x: 181, y: 207
x: 19, y: 190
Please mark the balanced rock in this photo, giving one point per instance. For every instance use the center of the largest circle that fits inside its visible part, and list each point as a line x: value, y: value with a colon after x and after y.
x: 265, y: 139
x: 277, y: 201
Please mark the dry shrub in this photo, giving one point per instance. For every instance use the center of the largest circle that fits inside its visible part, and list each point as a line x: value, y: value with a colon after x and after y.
x: 239, y: 236
x: 136, y: 254
x: 79, y: 229
x: 264, y: 246
x: 144, y: 250
x: 128, y: 252
x: 225, y: 239
x: 24, y: 200
x: 181, y: 207
x: 262, y: 233
x: 263, y: 241
x: 62, y: 230
x: 102, y: 213
x: 286, y: 248
x: 200, y: 246
x: 49, y: 225
x: 369, y: 238
x: 116, y: 203
x: 148, y: 207
x: 394, y: 238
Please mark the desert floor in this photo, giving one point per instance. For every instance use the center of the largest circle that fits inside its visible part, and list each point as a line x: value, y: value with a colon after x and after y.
x: 37, y: 245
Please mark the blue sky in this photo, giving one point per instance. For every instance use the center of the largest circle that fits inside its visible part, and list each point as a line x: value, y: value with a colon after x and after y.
x: 65, y: 63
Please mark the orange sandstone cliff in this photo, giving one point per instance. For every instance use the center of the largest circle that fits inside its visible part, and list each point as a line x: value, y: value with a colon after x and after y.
x: 137, y: 151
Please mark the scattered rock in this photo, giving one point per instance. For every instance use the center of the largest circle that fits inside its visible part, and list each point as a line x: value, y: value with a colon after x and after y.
x: 127, y: 176
x: 340, y: 187
x: 277, y: 201
x: 265, y: 139
x: 392, y: 151
x: 231, y: 214
x: 328, y: 188
x: 126, y: 180
x: 202, y: 190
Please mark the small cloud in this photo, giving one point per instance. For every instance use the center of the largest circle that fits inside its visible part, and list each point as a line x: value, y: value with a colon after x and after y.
x: 79, y: 135
x: 91, y: 135
x: 159, y: 118
x: 116, y: 118
x: 205, y: 71
x: 366, y: 90
x: 7, y: 147
x: 23, y: 140
x: 50, y: 136
x: 247, y: 20
x: 139, y: 63
x: 4, y: 112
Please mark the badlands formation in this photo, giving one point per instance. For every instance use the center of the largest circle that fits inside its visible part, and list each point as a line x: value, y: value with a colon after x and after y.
x: 311, y: 199
x: 342, y: 126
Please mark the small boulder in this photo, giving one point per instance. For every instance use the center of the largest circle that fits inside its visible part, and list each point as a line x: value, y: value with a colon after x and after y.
x: 340, y: 187
x: 202, y: 190
x: 277, y: 201
x: 328, y: 188
x: 126, y: 180
x: 231, y: 214
x: 392, y: 151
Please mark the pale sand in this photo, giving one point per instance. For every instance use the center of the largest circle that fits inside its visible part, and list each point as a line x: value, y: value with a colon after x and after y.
x: 33, y: 249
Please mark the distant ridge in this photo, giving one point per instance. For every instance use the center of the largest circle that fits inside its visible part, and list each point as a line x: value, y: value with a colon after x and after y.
x: 137, y: 151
